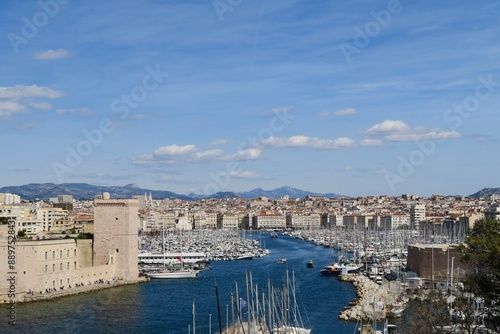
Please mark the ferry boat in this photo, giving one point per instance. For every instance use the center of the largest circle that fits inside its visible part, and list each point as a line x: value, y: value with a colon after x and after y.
x: 189, y: 258
x: 166, y: 274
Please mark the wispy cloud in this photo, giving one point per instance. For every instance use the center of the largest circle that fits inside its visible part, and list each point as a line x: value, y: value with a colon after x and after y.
x: 173, y: 154
x: 219, y: 142
x: 104, y: 176
x: 16, y: 99
x: 275, y: 110
x: 399, y: 131
x: 81, y: 111
x: 40, y: 105
x: 20, y: 91
x: 343, y: 112
x: 246, y: 175
x: 22, y: 126
x: 422, y: 29
x: 9, y: 108
x: 312, y: 142
x: 51, y: 54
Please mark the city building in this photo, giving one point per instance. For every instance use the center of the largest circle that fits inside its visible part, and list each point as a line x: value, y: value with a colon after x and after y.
x: 299, y: 221
x: 417, y: 214
x: 268, y: 221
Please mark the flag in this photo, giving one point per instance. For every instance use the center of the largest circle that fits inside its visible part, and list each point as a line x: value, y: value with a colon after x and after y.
x: 243, y: 303
x: 179, y: 259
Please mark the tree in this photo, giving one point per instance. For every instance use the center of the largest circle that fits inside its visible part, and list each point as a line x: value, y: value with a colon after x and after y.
x: 21, y: 233
x: 4, y: 220
x: 482, y: 250
x: 426, y: 313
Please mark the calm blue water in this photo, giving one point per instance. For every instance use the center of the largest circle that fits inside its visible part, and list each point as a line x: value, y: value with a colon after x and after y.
x: 165, y: 306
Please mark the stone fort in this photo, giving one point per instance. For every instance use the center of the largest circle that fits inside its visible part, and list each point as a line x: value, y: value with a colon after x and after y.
x: 42, y: 266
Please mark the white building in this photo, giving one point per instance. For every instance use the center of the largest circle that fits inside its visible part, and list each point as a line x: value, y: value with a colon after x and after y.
x: 303, y: 221
x: 7, y: 198
x: 417, y: 214
x: 394, y: 221
x: 228, y: 221
x: 268, y: 221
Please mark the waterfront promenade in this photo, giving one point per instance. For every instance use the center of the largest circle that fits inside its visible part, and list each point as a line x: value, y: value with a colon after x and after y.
x: 77, y: 290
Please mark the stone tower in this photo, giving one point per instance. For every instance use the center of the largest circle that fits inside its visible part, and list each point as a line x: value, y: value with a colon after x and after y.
x: 115, y: 236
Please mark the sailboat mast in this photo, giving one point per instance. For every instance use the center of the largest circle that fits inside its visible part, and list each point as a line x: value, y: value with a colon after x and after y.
x: 194, y: 320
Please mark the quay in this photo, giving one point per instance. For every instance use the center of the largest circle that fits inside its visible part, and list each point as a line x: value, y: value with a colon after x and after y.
x: 77, y: 290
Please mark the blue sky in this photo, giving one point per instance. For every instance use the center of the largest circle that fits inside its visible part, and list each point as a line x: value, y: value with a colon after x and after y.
x: 352, y: 97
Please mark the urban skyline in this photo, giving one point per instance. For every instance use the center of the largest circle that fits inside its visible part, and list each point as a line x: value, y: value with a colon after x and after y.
x: 385, y: 97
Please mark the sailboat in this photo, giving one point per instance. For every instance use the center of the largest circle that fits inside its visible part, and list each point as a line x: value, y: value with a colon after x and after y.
x: 172, y: 273
x: 270, y: 311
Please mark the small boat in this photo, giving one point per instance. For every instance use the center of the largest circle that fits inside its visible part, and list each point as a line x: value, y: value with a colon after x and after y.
x: 281, y: 260
x: 245, y: 257
x: 310, y: 264
x: 274, y: 235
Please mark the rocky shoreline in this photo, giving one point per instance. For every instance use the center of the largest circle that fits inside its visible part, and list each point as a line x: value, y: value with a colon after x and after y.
x: 373, y: 301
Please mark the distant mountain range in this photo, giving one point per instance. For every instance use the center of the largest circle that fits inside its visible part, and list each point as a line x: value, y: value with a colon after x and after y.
x: 87, y: 191
x: 486, y: 192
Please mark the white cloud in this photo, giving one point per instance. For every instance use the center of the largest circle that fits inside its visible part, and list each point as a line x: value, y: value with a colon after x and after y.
x: 51, y: 54
x: 16, y: 99
x: 244, y: 175
x: 304, y: 141
x: 423, y: 135
x: 388, y: 126
x: 172, y: 154
x: 20, y: 91
x: 246, y: 154
x: 343, y: 112
x: 208, y: 155
x: 371, y: 142
x: 172, y: 150
x: 81, y: 111
x: 399, y: 131
x: 324, y: 114
x: 219, y: 142
x: 9, y: 108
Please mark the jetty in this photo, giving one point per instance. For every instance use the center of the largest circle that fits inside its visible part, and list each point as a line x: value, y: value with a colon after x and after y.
x: 373, y: 301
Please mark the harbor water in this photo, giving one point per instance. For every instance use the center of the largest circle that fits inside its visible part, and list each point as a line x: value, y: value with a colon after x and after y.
x: 166, y: 306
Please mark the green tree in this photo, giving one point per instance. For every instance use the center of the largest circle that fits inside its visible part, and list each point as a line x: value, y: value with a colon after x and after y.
x: 21, y: 233
x: 482, y: 250
x: 4, y: 220
x: 426, y: 313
